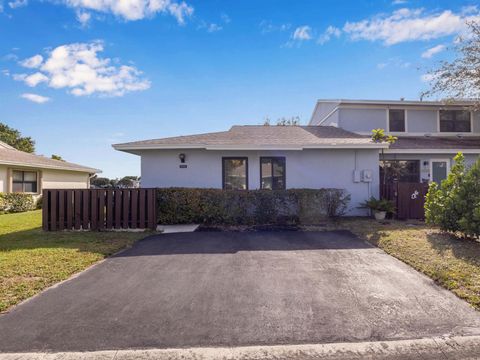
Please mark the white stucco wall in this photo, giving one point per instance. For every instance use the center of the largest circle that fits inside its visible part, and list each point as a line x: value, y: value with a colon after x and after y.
x: 304, y: 169
x: 60, y: 179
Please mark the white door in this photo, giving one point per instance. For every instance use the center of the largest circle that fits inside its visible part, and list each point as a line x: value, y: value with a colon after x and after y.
x: 439, y: 170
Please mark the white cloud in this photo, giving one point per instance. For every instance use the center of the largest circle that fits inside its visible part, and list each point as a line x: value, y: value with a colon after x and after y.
x: 210, y: 27
x: 131, y: 10
x: 433, y: 51
x: 32, y: 62
x: 225, y: 18
x: 214, y: 28
x: 327, y: 35
x: 78, y: 68
x: 266, y: 26
x: 39, y: 99
x: 302, y: 33
x: 427, y: 77
x: 399, y: 2
x: 409, y: 25
x: 35, y: 79
x: 395, y: 62
x: 17, y: 3
x: 83, y: 17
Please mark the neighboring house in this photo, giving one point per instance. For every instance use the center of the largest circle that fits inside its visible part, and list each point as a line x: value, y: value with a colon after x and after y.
x: 429, y: 133
x: 29, y: 173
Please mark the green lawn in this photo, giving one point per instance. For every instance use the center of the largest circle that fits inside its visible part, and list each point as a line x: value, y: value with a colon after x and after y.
x: 451, y: 261
x: 31, y: 260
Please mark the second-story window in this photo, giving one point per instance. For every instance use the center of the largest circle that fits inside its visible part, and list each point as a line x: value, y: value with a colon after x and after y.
x: 396, y: 119
x: 455, y: 121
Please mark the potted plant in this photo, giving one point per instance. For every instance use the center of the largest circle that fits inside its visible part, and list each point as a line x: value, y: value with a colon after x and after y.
x: 379, y: 207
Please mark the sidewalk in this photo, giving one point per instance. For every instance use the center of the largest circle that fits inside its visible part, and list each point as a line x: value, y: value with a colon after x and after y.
x: 465, y: 347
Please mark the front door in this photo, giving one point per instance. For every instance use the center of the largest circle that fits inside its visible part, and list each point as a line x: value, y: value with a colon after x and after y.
x: 439, y: 170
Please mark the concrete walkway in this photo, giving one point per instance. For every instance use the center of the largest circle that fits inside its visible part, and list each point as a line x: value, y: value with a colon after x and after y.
x: 465, y: 348
x: 180, y: 228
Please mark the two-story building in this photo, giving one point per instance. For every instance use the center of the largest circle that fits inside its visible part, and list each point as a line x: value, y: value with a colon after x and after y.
x: 333, y: 151
x: 429, y: 133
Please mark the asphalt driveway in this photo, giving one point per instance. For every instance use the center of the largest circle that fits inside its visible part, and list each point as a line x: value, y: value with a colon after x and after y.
x: 228, y: 289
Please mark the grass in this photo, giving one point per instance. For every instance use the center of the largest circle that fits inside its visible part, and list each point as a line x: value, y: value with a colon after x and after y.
x: 453, y: 262
x: 31, y: 260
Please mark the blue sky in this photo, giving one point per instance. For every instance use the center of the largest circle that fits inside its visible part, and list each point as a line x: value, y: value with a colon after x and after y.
x: 79, y: 75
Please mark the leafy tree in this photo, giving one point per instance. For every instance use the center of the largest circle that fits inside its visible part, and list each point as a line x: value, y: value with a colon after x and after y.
x: 57, y: 157
x: 102, y: 182
x: 127, y: 181
x: 460, y: 78
x: 292, y: 121
x: 468, y: 198
x: 379, y: 136
x: 284, y: 121
x: 14, y: 138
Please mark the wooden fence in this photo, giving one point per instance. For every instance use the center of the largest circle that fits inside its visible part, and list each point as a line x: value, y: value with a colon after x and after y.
x: 98, y: 209
x: 409, y: 198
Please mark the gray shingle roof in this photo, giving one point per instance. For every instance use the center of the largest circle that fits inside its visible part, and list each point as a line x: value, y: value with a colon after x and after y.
x: 259, y: 136
x: 11, y: 156
x: 434, y: 142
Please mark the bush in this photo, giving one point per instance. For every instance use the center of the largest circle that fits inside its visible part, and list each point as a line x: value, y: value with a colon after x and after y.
x: 16, y: 202
x: 455, y: 204
x: 214, y: 206
x: 379, y: 205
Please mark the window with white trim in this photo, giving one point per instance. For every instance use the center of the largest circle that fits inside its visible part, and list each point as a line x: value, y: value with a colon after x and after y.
x: 455, y: 121
x: 396, y: 120
x: 24, y: 181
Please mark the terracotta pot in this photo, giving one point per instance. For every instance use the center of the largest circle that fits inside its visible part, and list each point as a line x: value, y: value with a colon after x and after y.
x: 380, y: 215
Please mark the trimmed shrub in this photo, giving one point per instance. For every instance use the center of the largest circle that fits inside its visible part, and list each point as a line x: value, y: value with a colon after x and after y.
x: 455, y: 205
x: 251, y: 207
x: 16, y: 202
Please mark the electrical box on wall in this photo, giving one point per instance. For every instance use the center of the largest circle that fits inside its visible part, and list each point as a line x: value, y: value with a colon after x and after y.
x: 367, y: 175
x: 356, y: 176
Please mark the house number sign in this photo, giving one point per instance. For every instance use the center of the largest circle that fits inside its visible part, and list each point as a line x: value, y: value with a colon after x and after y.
x: 414, y: 195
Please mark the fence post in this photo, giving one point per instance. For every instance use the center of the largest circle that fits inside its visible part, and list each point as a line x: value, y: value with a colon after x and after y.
x: 45, y: 210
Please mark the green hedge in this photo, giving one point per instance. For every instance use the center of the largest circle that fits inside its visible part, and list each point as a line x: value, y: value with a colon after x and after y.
x: 214, y: 206
x: 16, y: 202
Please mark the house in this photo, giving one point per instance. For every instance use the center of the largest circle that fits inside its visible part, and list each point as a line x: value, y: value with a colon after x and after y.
x: 333, y: 151
x: 29, y: 173
x: 263, y: 157
x: 430, y: 133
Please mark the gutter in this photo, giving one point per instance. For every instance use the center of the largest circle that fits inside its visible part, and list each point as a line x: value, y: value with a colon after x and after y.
x: 249, y: 147
x: 43, y: 166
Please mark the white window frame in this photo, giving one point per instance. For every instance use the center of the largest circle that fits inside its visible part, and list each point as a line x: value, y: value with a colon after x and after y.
x: 388, y: 121
x: 438, y: 160
x: 453, y: 133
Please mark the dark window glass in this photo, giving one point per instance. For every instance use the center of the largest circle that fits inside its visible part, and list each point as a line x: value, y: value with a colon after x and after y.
x: 24, y: 181
x: 397, y: 120
x: 455, y: 121
x: 235, y: 173
x: 272, y: 173
x: 400, y: 171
